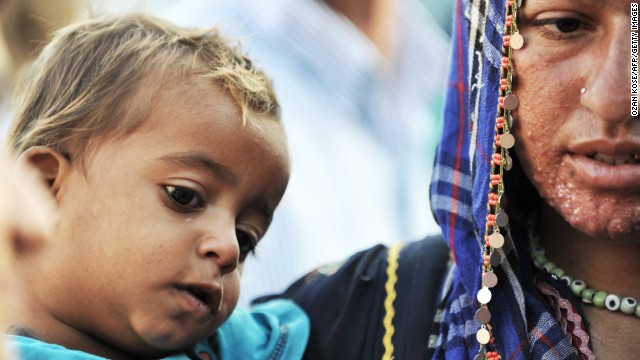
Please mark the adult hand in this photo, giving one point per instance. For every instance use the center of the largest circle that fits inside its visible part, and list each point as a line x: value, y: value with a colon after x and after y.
x: 26, y: 224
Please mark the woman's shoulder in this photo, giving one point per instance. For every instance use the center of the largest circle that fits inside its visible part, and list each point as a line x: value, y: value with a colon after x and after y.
x: 346, y: 301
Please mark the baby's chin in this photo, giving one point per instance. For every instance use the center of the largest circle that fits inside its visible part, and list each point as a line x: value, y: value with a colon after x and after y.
x: 159, y: 341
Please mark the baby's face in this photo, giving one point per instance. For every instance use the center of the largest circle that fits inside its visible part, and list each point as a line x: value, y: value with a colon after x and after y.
x: 154, y: 231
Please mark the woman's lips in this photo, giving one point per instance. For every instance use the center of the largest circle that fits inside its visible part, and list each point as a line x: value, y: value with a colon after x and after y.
x: 616, y: 159
x: 606, y: 171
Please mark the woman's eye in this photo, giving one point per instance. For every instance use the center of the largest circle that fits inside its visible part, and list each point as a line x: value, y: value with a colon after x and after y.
x: 561, y: 28
x: 247, y: 243
x: 568, y: 25
x: 184, y: 198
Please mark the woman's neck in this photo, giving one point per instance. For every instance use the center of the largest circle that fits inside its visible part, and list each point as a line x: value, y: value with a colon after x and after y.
x: 604, y: 265
x: 607, y: 265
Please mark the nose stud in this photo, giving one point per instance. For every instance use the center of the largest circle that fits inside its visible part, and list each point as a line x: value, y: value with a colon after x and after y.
x: 583, y: 90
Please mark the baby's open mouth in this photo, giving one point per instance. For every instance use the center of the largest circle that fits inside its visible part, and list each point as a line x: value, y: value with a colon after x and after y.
x: 616, y: 159
x: 206, y: 296
x: 197, y: 293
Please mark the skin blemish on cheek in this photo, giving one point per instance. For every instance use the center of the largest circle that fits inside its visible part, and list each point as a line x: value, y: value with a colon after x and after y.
x: 187, y: 219
x: 619, y: 227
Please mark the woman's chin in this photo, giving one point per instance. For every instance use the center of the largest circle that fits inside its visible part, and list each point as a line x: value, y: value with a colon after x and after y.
x: 605, y: 217
x: 616, y: 229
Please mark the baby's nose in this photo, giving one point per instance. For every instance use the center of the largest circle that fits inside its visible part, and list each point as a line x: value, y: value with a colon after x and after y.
x: 220, y: 245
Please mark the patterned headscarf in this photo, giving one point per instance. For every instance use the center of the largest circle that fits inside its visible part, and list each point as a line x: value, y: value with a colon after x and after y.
x: 521, y: 325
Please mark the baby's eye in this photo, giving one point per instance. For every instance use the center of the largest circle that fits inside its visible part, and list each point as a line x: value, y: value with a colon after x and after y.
x: 184, y: 198
x: 247, y: 243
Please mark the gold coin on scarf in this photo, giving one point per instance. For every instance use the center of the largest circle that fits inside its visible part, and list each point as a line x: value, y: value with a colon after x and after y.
x: 489, y: 279
x: 484, y: 295
x: 516, y: 41
x: 510, y: 102
x: 507, y: 140
x: 483, y: 315
x: 508, y: 163
x: 496, y: 240
x: 502, y: 219
x: 483, y: 336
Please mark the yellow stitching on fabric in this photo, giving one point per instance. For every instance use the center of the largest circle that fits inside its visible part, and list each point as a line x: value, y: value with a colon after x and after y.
x: 390, y: 312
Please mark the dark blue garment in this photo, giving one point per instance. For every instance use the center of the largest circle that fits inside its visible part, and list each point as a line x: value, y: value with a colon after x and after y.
x: 346, y: 307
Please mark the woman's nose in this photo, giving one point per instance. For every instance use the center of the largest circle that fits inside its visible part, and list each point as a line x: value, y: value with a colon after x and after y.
x: 607, y: 89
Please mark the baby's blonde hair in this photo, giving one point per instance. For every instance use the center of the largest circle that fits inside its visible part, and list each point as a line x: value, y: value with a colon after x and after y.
x: 86, y: 82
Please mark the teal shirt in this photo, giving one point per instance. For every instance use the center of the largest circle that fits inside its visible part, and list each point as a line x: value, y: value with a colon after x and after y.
x: 274, y: 330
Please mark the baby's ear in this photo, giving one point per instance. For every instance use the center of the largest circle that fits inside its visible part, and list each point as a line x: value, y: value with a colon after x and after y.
x: 51, y: 165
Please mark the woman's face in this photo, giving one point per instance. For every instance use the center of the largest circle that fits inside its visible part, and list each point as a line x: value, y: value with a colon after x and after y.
x: 580, y: 148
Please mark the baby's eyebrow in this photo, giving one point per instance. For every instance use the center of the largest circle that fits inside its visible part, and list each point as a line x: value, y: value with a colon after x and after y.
x: 199, y: 160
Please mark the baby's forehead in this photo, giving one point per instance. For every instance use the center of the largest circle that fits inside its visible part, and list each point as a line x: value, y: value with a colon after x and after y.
x: 148, y: 98
x: 162, y: 99
x: 187, y: 136
x: 153, y: 102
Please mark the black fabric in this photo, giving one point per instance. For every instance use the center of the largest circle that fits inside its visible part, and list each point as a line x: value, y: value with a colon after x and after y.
x: 346, y: 308
x: 420, y: 275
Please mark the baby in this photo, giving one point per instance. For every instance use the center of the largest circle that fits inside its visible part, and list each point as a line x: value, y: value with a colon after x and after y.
x: 163, y: 149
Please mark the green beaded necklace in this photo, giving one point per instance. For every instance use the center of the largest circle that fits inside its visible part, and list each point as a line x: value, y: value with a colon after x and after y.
x: 601, y: 299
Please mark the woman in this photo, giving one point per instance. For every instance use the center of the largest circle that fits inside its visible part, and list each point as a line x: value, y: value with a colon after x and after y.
x: 538, y: 112
x: 578, y: 145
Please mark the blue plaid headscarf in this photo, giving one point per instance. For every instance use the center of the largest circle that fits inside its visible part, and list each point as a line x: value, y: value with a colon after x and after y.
x: 522, y: 327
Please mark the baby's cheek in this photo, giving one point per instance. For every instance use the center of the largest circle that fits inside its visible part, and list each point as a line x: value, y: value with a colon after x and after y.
x: 230, y: 291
